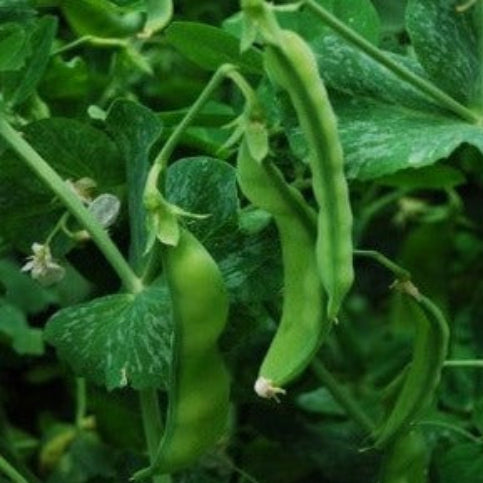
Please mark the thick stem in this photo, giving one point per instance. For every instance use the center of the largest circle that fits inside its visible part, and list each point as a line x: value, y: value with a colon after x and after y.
x: 443, y: 99
x: 7, y: 469
x: 342, y: 397
x: 50, y: 177
x: 153, y: 427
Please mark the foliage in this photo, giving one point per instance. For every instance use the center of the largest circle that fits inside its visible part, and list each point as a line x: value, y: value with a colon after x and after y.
x: 80, y: 359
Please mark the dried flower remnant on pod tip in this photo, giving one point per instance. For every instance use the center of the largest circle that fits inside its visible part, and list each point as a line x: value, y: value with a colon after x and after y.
x: 265, y: 388
x: 42, y: 267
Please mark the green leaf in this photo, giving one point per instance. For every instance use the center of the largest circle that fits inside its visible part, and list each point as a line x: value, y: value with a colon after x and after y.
x: 444, y: 41
x: 251, y: 264
x: 117, y: 340
x: 19, y: 85
x: 209, y: 47
x: 320, y: 401
x: 22, y: 291
x: 361, y: 16
x: 75, y: 150
x: 348, y: 70
x: 11, y: 10
x: 24, y: 339
x: 134, y: 128
x: 12, y: 46
x: 159, y: 14
x: 65, y: 79
x: 462, y: 463
x: 87, y: 457
x: 381, y: 139
x: 204, y: 186
x: 431, y: 177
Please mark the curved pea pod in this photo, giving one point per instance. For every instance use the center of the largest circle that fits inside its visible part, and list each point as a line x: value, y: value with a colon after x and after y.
x: 198, y: 402
x: 303, y: 323
x: 406, y: 460
x: 291, y: 64
x: 101, y: 18
x: 422, y: 376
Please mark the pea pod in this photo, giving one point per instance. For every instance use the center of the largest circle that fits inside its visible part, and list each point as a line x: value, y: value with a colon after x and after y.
x: 423, y: 374
x: 406, y: 460
x: 303, y: 322
x: 101, y: 18
x: 199, y: 388
x: 291, y: 65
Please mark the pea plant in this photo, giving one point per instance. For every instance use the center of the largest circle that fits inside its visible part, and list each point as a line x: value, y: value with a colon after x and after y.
x: 241, y: 241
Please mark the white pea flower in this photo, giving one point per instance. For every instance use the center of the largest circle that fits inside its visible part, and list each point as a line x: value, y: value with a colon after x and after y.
x: 42, y: 267
x: 105, y: 209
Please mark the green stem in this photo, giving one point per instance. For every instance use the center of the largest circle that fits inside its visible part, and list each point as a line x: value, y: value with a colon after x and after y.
x: 423, y: 85
x: 451, y: 427
x: 90, y: 39
x: 81, y: 401
x: 8, y: 470
x: 342, y: 397
x: 475, y: 363
x: 168, y: 148
x: 153, y: 427
x: 399, y: 272
x: 50, y: 177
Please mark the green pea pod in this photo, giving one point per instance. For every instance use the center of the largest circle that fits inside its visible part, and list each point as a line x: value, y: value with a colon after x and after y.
x: 199, y: 388
x: 303, y: 322
x: 101, y: 18
x: 422, y: 375
x: 407, y: 460
x: 291, y: 64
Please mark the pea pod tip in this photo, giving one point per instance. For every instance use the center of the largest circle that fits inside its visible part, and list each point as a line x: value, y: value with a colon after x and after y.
x: 265, y: 388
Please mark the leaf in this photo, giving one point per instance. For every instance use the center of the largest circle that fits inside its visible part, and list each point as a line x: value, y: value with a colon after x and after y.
x: 431, y: 177
x: 86, y: 458
x: 21, y: 291
x: 445, y: 44
x: 65, y: 79
x: 11, y: 10
x: 159, y: 14
x: 75, y: 150
x: 117, y: 340
x: 251, y: 265
x: 12, y: 46
x: 462, y: 463
x: 320, y: 401
x: 19, y: 85
x: 348, y: 70
x: 134, y: 128
x: 204, y: 186
x: 361, y: 16
x: 381, y: 139
x: 209, y: 47
x: 24, y: 339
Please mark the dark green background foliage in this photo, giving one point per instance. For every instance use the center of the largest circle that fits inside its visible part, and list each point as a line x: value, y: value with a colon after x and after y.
x: 103, y: 112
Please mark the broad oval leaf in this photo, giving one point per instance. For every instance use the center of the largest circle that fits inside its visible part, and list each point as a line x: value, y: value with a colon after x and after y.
x: 445, y: 44
x: 209, y: 47
x: 117, y: 340
x: 204, y: 186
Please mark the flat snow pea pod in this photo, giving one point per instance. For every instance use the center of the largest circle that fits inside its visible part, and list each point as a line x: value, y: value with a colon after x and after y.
x: 101, y: 18
x: 423, y: 373
x: 406, y: 460
x: 199, y: 389
x: 291, y: 64
x: 304, y: 322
